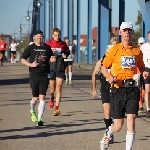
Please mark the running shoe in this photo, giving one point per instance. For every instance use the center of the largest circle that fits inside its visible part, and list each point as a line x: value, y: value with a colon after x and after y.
x: 39, y: 122
x: 148, y: 114
x: 67, y: 82
x: 51, y: 103
x: 111, y: 138
x: 104, y: 143
x: 33, y: 116
x: 141, y: 110
x: 70, y: 82
x: 57, y: 112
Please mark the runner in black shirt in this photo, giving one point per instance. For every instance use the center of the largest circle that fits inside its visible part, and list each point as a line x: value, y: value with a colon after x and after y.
x: 39, y: 55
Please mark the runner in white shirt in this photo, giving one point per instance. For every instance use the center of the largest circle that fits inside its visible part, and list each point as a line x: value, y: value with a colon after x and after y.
x: 141, y: 41
x: 69, y: 62
x: 145, y: 48
x: 13, y: 47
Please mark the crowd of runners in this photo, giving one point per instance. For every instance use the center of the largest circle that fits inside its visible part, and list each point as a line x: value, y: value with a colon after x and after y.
x: 124, y: 76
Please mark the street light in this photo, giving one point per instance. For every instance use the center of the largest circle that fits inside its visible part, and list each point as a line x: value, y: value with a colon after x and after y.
x: 38, y: 4
x: 20, y: 28
x: 28, y: 16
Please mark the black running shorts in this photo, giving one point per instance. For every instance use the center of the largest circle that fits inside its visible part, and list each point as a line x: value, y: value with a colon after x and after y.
x: 142, y: 84
x: 38, y: 84
x: 147, y: 81
x: 124, y: 100
x: 104, y: 90
x: 68, y: 63
x: 13, y: 52
x: 58, y: 74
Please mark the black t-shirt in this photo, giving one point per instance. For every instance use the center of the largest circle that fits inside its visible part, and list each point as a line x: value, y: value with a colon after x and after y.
x: 40, y: 54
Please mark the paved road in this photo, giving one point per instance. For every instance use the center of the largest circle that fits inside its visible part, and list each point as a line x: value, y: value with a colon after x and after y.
x: 79, y: 127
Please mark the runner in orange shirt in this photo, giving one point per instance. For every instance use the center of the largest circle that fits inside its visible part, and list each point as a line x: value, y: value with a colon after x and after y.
x: 3, y: 47
x: 124, y: 92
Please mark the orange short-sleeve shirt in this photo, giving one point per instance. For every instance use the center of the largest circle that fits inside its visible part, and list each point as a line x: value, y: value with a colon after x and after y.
x: 124, y: 61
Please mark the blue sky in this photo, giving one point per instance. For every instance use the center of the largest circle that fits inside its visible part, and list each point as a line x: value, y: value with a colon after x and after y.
x: 12, y: 11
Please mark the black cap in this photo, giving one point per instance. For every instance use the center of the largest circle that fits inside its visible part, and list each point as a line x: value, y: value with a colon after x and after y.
x: 38, y: 32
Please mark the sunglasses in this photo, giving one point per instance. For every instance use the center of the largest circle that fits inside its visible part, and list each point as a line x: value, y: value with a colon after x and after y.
x: 127, y: 29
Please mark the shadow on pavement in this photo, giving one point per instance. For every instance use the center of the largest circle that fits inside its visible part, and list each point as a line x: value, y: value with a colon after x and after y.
x: 83, y: 77
x: 14, y: 81
x: 56, y: 129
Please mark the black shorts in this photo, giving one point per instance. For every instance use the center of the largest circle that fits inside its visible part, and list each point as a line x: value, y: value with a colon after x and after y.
x: 38, y: 84
x: 104, y: 90
x: 68, y: 63
x: 2, y: 52
x: 54, y: 75
x: 142, y: 84
x: 147, y: 81
x: 124, y: 100
x: 13, y: 52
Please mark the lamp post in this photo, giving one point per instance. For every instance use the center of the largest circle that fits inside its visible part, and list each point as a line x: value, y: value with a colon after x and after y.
x: 20, y: 30
x: 50, y: 3
x: 38, y: 4
x: 50, y: 15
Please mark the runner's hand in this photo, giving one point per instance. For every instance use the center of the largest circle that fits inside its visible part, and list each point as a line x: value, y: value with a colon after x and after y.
x: 52, y: 59
x: 94, y: 93
x: 146, y: 75
x: 111, y: 79
x: 63, y: 55
x: 34, y: 64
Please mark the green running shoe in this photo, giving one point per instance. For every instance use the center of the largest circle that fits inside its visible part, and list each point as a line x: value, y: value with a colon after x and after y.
x: 70, y: 82
x: 39, y: 122
x: 67, y: 81
x: 33, y: 116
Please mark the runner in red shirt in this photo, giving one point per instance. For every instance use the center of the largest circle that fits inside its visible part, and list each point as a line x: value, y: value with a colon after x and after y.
x: 3, y: 47
x: 57, y: 69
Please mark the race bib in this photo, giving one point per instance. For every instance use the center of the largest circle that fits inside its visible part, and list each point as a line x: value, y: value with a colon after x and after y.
x: 148, y: 61
x: 57, y: 51
x: 128, y: 62
x: 2, y: 46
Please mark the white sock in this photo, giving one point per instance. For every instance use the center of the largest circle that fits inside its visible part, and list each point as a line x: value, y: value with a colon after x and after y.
x: 70, y: 75
x: 66, y: 76
x: 109, y: 132
x: 32, y: 105
x: 41, y: 109
x: 148, y: 109
x: 130, y: 137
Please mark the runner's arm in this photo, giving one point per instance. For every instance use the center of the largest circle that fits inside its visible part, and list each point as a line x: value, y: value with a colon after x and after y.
x: 94, y: 74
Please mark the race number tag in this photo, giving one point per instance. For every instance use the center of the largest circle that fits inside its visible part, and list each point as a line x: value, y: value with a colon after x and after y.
x: 128, y: 62
x: 2, y: 46
x: 57, y: 51
x: 148, y: 61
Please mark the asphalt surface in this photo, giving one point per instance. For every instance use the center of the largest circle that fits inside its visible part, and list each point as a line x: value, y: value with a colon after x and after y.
x: 79, y: 127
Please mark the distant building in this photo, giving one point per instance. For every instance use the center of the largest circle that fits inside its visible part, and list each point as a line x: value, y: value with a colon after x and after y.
x: 84, y: 37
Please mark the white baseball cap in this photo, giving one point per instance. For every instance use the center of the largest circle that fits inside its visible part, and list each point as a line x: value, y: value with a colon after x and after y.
x: 141, y: 40
x: 125, y: 25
